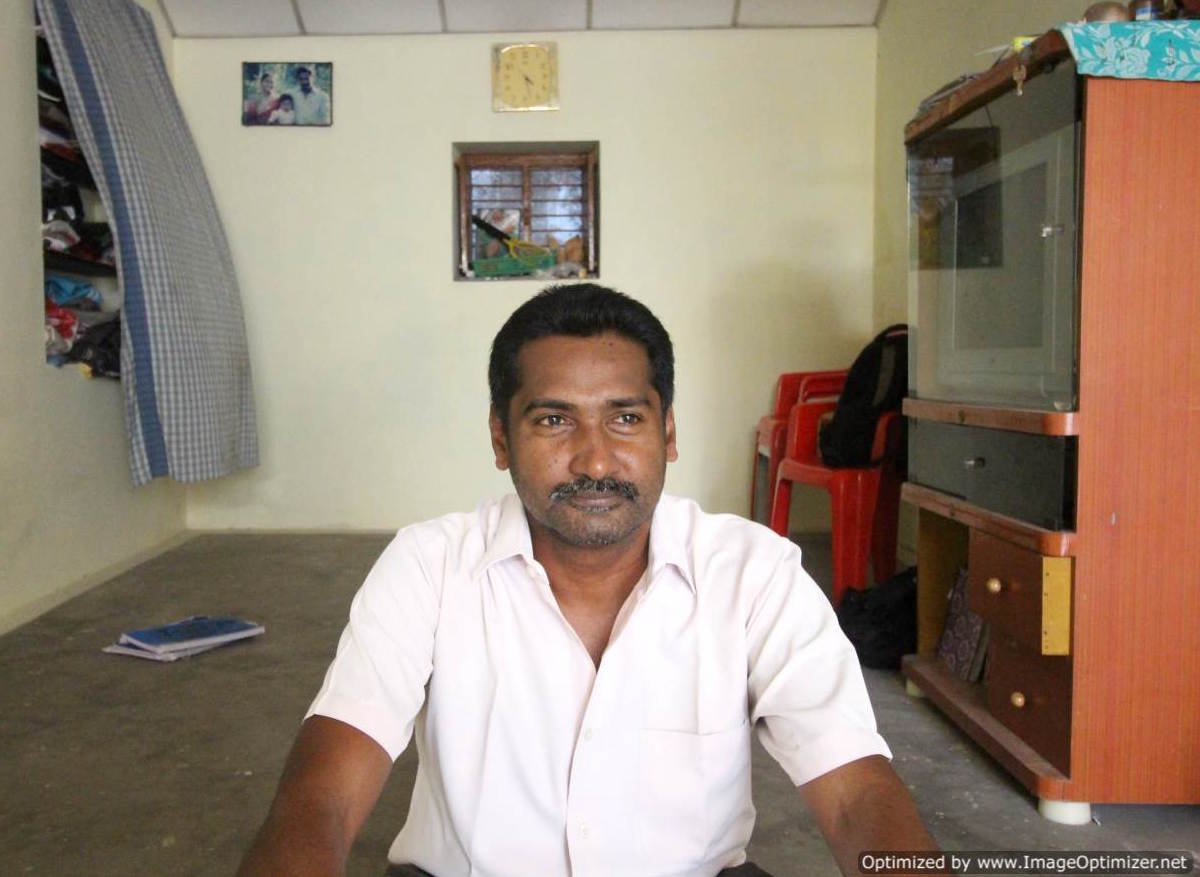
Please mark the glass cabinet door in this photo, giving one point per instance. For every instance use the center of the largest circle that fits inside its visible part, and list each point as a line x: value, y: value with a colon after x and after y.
x: 992, y: 251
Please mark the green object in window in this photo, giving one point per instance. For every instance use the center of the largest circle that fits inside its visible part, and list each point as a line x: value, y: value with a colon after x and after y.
x: 509, y: 266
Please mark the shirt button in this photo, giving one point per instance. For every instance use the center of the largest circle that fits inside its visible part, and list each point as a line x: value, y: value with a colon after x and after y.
x: 583, y: 830
x: 587, y: 735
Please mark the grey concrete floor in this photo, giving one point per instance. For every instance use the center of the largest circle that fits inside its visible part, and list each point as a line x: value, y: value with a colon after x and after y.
x: 116, y: 766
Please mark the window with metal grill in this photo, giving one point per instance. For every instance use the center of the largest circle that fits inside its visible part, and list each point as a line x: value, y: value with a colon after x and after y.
x: 527, y: 209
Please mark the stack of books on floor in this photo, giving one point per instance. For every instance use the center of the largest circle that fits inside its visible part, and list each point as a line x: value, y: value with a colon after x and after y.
x: 182, y: 639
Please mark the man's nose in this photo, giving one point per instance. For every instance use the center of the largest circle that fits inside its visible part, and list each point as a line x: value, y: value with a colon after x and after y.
x: 593, y: 453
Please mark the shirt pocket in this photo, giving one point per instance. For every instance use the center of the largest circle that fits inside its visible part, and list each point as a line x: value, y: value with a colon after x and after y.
x: 693, y: 789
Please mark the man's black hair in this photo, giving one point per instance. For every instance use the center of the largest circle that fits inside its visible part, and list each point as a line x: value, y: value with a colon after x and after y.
x: 581, y: 310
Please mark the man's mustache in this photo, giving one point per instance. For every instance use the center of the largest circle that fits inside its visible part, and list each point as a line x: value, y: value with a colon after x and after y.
x: 590, y: 486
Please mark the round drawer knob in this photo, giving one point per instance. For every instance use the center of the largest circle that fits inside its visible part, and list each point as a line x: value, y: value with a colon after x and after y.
x: 1017, y: 699
x: 994, y: 585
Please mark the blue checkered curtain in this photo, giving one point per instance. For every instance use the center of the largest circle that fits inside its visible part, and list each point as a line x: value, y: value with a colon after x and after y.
x: 189, y: 403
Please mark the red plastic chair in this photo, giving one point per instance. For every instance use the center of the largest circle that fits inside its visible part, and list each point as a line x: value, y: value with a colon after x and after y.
x: 772, y: 432
x: 864, y: 501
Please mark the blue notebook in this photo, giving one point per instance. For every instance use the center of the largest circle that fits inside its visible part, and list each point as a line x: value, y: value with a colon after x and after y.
x: 191, y: 633
x: 136, y: 652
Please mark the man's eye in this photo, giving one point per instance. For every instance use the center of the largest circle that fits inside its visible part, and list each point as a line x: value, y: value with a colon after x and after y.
x: 628, y: 418
x: 552, y: 420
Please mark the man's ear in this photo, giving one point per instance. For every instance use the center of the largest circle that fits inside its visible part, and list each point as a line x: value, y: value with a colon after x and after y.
x: 669, y: 432
x: 499, y: 440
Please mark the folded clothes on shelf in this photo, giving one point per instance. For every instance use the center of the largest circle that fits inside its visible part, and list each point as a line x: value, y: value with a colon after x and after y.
x: 97, y: 349
x: 86, y: 241
x: 61, y: 201
x: 59, y: 235
x: 91, y: 338
x: 54, y: 116
x: 64, y: 166
x: 68, y: 292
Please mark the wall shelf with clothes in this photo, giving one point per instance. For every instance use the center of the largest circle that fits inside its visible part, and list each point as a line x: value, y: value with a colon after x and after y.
x: 81, y: 293
x: 170, y: 318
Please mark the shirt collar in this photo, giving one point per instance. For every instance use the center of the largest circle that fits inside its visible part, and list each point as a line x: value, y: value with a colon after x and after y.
x: 508, y: 537
x: 668, y: 543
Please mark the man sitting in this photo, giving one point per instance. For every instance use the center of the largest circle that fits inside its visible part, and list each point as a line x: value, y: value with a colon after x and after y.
x: 582, y: 664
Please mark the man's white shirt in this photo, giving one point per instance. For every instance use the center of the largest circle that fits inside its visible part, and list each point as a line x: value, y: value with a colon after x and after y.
x: 312, y: 107
x: 532, y: 761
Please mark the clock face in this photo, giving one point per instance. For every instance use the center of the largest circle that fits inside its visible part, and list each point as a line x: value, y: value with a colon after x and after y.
x: 524, y: 77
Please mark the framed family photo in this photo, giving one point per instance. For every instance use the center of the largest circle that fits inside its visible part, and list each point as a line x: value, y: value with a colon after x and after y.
x: 295, y: 93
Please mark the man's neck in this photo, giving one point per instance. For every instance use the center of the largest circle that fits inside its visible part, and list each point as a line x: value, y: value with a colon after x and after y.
x: 592, y: 575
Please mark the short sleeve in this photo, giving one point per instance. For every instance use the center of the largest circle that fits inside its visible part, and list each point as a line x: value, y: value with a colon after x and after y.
x: 376, y: 682
x: 808, y: 700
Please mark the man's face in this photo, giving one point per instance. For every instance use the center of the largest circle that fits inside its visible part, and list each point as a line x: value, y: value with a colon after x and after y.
x: 587, y: 443
x: 303, y: 78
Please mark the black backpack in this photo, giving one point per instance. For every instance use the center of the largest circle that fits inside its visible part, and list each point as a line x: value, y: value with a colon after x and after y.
x: 881, y: 622
x: 876, y: 382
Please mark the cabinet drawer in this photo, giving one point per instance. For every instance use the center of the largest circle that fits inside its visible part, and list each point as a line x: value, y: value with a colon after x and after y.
x: 1031, y: 695
x: 1022, y: 593
x: 1022, y: 475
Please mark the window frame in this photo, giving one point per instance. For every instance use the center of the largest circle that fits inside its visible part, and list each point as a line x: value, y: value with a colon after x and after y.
x: 526, y: 157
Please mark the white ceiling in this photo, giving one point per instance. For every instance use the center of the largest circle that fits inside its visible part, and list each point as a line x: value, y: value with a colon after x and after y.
x: 261, y: 18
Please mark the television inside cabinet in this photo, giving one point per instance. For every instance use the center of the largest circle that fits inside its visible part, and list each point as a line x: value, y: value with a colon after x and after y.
x: 1054, y: 415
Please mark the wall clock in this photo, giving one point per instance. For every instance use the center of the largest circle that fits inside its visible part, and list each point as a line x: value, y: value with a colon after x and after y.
x: 524, y: 77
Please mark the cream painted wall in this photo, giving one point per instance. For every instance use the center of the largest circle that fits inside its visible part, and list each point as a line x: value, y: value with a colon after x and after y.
x: 68, y: 511
x: 923, y: 44
x: 746, y: 179
x: 736, y: 201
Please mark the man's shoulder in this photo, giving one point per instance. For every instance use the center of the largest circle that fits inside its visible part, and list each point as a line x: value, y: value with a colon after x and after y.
x: 463, y: 539
x: 730, y: 560
x: 459, y: 523
x: 716, y: 538
x: 687, y: 520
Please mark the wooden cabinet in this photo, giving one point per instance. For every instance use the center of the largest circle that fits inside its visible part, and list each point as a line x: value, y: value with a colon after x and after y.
x: 1030, y: 694
x: 1092, y: 692
x: 1023, y: 593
